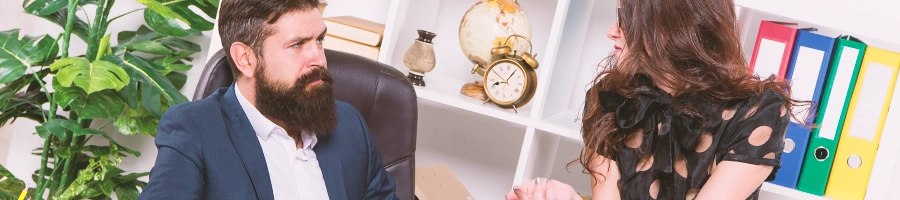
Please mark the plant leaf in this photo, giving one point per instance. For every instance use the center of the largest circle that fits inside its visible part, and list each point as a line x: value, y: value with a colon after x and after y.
x: 130, y: 178
x: 196, y: 22
x: 208, y: 7
x: 162, y: 10
x: 102, y: 104
x: 181, y: 11
x: 27, y: 110
x: 148, y: 46
x: 79, y: 27
x: 181, y: 44
x: 127, y: 191
x: 34, y: 6
x: 145, y: 40
x: 112, y: 142
x: 153, y: 84
x: 17, y: 55
x: 164, y: 25
x: 9, y: 90
x: 58, y: 127
x: 136, y: 123
x: 142, y: 33
x: 177, y: 79
x: 91, y: 77
x: 53, y: 7
x: 10, y: 186
x: 130, y: 93
x: 107, y: 187
x: 174, y: 58
x: 66, y: 152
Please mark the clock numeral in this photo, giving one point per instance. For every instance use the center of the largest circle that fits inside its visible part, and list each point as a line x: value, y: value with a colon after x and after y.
x: 520, y: 84
x: 517, y: 91
x: 497, y: 92
x: 520, y: 77
x: 507, y: 67
x: 493, y: 86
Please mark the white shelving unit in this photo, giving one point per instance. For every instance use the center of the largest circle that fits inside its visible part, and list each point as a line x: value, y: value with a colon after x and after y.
x: 491, y: 149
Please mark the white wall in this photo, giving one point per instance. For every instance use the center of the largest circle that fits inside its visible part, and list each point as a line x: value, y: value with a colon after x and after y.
x: 19, y: 160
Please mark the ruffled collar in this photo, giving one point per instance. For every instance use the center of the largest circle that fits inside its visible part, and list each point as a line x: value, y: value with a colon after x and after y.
x: 668, y: 133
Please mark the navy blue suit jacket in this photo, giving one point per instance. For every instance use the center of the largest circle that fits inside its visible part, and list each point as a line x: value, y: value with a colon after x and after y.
x: 209, y: 150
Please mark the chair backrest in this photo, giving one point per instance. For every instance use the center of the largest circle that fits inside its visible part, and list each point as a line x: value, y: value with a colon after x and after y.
x: 384, y: 97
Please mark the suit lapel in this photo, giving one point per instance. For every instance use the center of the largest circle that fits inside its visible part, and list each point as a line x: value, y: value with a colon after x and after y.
x: 243, y: 137
x: 330, y: 162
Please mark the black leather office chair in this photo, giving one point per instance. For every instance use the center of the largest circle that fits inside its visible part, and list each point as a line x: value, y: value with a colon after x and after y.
x: 383, y: 95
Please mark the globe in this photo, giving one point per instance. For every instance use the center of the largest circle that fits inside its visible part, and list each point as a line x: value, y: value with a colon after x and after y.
x: 488, y: 24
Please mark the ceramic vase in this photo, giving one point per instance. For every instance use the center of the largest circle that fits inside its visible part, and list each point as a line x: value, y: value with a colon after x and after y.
x: 419, y: 58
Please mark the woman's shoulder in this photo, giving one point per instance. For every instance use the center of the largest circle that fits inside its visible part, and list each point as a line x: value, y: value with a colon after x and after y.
x: 768, y: 97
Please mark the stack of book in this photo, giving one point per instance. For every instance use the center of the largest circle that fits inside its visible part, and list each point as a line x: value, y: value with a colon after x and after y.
x: 354, y: 35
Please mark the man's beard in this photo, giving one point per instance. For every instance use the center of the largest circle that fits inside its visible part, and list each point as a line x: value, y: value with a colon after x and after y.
x: 300, y: 110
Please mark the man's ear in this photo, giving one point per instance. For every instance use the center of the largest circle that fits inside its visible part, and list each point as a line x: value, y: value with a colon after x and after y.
x: 244, y: 58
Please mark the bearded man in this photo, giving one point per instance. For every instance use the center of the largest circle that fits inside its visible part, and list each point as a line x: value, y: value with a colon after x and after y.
x: 277, y: 132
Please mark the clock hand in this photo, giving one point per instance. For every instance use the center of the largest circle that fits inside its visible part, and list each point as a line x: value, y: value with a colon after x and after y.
x: 498, y: 74
x: 510, y: 76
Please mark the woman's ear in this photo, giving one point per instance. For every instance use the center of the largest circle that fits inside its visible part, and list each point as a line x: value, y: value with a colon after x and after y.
x: 244, y: 58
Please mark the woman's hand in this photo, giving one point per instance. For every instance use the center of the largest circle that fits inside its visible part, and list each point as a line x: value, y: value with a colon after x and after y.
x: 543, y: 189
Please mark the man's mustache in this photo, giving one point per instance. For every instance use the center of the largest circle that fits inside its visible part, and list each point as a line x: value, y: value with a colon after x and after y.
x: 317, y: 74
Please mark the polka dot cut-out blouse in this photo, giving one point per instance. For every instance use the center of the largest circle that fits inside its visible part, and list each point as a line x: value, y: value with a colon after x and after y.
x: 671, y: 155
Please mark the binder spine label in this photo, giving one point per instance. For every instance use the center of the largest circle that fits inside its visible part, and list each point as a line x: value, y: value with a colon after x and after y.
x: 871, y: 101
x: 769, y: 58
x: 839, y: 92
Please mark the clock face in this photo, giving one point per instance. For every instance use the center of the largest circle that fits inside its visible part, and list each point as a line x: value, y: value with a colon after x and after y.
x: 505, y: 82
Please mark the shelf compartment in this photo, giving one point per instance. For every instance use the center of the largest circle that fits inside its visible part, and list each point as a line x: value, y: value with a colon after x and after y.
x: 481, y: 152
x: 443, y: 17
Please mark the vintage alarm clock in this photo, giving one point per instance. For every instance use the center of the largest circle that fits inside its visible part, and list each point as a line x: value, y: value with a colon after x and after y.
x: 510, y: 80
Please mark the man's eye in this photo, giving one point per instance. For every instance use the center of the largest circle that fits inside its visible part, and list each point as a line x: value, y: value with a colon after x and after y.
x: 295, y: 45
x: 320, y: 40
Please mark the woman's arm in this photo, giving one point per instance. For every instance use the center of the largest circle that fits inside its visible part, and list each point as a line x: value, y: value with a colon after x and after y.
x: 604, y: 184
x: 734, y: 180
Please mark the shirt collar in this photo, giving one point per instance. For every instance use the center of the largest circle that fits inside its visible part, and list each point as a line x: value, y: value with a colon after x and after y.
x: 265, y: 127
x: 261, y: 125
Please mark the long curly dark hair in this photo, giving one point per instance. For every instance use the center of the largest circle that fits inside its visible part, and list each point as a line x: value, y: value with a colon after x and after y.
x: 690, y: 46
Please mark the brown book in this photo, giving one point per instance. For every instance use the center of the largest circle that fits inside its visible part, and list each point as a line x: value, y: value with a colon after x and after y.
x: 340, y: 44
x: 355, y: 29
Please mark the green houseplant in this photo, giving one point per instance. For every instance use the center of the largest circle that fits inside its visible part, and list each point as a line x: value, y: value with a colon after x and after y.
x: 127, y: 85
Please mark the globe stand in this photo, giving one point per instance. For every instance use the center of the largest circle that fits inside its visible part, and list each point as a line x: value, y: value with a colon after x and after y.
x: 474, y: 90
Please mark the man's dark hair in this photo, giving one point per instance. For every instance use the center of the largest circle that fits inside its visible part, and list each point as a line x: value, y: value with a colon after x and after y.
x: 247, y: 21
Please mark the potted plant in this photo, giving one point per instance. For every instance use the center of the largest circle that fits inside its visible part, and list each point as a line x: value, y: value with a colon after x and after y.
x: 127, y: 85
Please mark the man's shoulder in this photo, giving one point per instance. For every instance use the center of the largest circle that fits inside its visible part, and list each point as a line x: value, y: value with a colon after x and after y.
x: 349, y: 119
x: 196, y: 109
x: 345, y: 108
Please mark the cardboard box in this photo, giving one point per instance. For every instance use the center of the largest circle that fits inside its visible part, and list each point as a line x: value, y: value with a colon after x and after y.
x: 437, y: 182
x: 584, y: 196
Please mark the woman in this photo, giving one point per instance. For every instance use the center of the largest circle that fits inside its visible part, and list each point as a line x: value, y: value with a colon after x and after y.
x: 676, y: 115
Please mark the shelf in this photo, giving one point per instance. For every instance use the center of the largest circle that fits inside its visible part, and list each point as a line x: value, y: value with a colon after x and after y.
x: 566, y: 123
x: 790, y: 193
x: 843, y: 16
x: 445, y: 90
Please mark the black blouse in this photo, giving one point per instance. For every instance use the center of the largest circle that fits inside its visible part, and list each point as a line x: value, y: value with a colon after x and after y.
x: 671, y: 155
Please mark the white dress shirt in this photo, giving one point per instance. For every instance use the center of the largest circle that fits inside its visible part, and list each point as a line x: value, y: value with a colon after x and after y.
x: 295, y: 173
